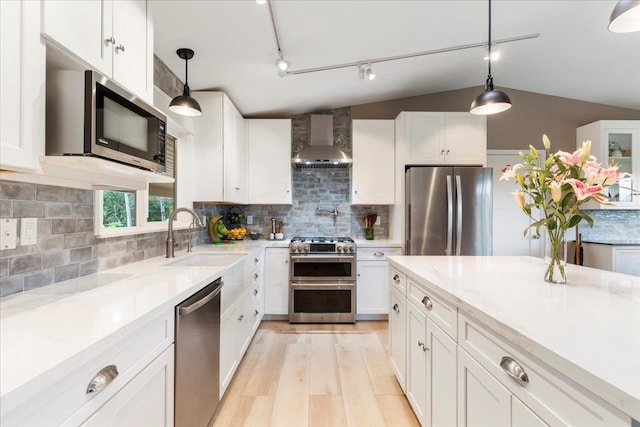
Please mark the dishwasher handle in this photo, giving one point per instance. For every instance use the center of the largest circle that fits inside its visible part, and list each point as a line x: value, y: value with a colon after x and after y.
x: 185, y: 311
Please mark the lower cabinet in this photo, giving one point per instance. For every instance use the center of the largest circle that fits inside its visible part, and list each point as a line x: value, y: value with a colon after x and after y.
x: 617, y: 258
x: 235, y: 336
x: 372, y: 285
x: 397, y: 335
x: 276, y: 281
x: 146, y: 400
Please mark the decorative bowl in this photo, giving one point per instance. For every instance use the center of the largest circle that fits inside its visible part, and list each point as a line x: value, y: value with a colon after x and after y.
x: 254, y: 236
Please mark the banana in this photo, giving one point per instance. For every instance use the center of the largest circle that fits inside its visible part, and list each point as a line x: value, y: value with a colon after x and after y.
x: 215, y: 236
x: 222, y: 229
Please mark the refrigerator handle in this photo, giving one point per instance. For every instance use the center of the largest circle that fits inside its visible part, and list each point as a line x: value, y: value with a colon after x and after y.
x: 447, y: 250
x: 458, y: 215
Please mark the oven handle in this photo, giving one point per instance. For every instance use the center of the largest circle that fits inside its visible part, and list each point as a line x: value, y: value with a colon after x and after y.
x: 319, y: 256
x: 332, y: 285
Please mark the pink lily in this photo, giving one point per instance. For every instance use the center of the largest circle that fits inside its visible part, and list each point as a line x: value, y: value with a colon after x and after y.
x: 584, y: 191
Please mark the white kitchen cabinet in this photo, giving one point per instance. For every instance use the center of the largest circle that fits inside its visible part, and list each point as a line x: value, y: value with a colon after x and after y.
x: 373, y: 170
x: 398, y: 328
x: 269, y: 161
x: 437, y: 138
x: 618, y: 258
x: 616, y: 142
x: 22, y: 84
x: 417, y: 362
x: 228, y: 361
x: 114, y: 37
x: 372, y: 282
x: 219, y: 155
x: 276, y: 281
x: 147, y: 400
x: 255, y: 278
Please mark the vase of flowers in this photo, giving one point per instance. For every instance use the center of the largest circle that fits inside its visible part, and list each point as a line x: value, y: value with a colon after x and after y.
x: 556, y: 188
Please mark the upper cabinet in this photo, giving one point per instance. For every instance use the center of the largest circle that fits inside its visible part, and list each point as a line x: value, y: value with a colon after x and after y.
x: 373, y: 162
x: 22, y: 84
x: 616, y: 142
x: 269, y: 161
x: 113, y: 36
x: 436, y: 138
x: 219, y: 151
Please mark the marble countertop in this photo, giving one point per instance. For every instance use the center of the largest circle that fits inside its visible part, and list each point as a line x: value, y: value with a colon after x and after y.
x: 377, y: 243
x: 41, y: 330
x: 588, y: 329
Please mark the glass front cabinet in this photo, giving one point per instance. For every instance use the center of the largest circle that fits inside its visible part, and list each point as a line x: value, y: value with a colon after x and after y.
x: 616, y: 142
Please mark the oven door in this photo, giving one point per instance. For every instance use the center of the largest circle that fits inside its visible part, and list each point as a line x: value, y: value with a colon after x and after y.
x: 322, y: 268
x: 322, y: 303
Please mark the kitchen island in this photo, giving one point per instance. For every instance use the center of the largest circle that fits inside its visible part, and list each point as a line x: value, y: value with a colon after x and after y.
x: 579, y: 342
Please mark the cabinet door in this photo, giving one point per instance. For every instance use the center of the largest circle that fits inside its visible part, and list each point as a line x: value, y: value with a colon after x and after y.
x: 373, y: 162
x: 207, y: 153
x: 521, y: 415
x: 147, y: 400
x: 22, y: 84
x: 398, y: 334
x: 276, y: 281
x: 133, y: 50
x: 425, y: 135
x: 626, y: 260
x: 235, y: 182
x: 441, y: 377
x: 269, y: 154
x: 621, y: 147
x: 81, y: 27
x: 465, y: 139
x: 244, y: 316
x: 228, y: 362
x: 417, y: 362
x: 372, y: 294
x: 482, y: 400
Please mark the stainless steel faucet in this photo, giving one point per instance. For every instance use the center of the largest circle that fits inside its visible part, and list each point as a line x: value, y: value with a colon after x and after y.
x: 170, y: 238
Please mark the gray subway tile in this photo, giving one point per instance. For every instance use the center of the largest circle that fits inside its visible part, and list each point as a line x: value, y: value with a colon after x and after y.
x: 63, y: 226
x: 50, y: 243
x: 55, y: 258
x: 25, y: 264
x: 44, y: 227
x: 84, y: 225
x: 49, y: 193
x: 118, y: 247
x: 76, y: 240
x: 6, y: 209
x: 38, y: 279
x: 88, y: 267
x: 11, y: 285
x: 80, y: 254
x: 66, y: 272
x: 80, y: 210
x: 106, y: 263
x: 28, y: 209
x: 58, y: 210
x: 104, y: 250
x: 17, y: 190
x: 4, y: 267
x: 75, y: 195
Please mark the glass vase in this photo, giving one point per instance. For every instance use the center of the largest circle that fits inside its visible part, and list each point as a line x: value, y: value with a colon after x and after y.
x: 368, y: 233
x: 555, y: 257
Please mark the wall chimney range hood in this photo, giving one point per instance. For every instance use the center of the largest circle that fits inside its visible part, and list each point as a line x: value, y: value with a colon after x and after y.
x: 321, y: 153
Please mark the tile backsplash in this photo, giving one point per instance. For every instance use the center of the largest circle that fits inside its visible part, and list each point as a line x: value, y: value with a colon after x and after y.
x: 612, y: 226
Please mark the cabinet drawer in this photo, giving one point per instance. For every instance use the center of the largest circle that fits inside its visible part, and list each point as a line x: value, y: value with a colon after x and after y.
x: 555, y: 399
x: 67, y: 398
x: 377, y: 254
x: 398, y: 280
x: 438, y: 310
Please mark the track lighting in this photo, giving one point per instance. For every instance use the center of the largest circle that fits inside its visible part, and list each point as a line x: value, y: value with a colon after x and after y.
x: 282, y: 64
x: 490, y: 101
x: 261, y: 1
x: 184, y: 104
x: 495, y: 54
x: 365, y: 71
x: 625, y: 17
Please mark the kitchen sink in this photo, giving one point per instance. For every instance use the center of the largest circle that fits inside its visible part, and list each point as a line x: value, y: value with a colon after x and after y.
x: 208, y: 259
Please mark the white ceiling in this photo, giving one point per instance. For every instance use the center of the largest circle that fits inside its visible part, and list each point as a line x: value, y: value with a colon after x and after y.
x: 235, y: 49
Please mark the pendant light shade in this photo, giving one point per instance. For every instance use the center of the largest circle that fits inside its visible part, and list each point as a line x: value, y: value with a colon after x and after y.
x: 184, y: 104
x: 490, y: 101
x: 625, y: 17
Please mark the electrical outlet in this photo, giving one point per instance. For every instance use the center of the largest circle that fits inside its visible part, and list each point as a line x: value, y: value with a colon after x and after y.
x: 249, y: 219
x: 8, y: 230
x: 28, y: 231
x: 377, y: 221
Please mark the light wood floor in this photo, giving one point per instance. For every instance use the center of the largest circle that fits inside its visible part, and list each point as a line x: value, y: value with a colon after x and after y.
x: 316, y: 375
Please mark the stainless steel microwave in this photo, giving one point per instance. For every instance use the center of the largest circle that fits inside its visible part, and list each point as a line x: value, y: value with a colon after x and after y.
x: 91, y: 115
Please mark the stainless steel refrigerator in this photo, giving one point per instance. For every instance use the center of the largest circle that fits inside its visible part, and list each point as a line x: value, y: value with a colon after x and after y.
x: 448, y: 210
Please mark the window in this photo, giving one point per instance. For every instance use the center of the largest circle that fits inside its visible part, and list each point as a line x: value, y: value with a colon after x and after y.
x: 118, y: 209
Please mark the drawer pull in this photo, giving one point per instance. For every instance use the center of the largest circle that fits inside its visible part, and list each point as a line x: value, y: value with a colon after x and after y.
x: 396, y: 308
x: 396, y: 278
x: 378, y: 254
x: 255, y: 292
x: 102, y: 379
x: 424, y: 347
x: 255, y: 275
x: 256, y: 312
x: 241, y: 317
x: 426, y: 301
x: 255, y: 260
x: 514, y: 370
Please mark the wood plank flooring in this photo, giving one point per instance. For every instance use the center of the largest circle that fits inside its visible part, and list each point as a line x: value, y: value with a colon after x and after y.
x: 316, y: 376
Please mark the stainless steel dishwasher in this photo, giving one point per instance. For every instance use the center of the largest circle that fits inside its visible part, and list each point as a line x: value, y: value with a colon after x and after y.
x: 197, y: 370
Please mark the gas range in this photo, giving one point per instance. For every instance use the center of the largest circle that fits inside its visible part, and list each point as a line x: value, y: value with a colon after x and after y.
x: 322, y: 245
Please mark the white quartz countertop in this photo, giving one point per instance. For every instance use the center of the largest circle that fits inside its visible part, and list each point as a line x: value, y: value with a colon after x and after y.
x: 377, y: 243
x: 43, y: 330
x: 588, y: 329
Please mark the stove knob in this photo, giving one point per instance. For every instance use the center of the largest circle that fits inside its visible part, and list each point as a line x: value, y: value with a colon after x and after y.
x: 352, y: 249
x: 339, y: 249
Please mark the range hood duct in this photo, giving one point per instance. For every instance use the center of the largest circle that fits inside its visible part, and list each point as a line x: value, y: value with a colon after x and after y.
x: 321, y: 153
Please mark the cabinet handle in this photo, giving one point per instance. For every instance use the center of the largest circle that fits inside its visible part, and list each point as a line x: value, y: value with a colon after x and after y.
x: 442, y: 151
x: 286, y: 262
x: 426, y: 301
x: 102, y: 379
x: 110, y: 40
x: 396, y: 278
x: 255, y: 275
x: 448, y: 151
x: 514, y: 370
x: 378, y: 253
x: 237, y: 188
x: 255, y: 260
x: 121, y: 48
x: 424, y: 348
x: 256, y: 312
x: 240, y: 318
x: 255, y: 292
x: 396, y: 308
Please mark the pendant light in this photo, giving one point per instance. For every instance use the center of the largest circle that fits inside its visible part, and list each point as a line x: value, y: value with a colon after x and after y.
x: 625, y: 17
x: 184, y: 104
x: 490, y: 101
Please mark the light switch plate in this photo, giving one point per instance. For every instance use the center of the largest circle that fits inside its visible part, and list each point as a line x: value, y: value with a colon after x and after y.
x: 377, y: 221
x: 28, y: 231
x: 8, y: 230
x: 249, y: 219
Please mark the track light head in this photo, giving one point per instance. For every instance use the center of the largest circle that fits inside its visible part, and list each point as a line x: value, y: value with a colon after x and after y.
x: 261, y: 1
x: 282, y: 64
x: 366, y: 72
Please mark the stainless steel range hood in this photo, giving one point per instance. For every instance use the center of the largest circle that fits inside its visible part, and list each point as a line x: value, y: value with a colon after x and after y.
x: 321, y: 153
